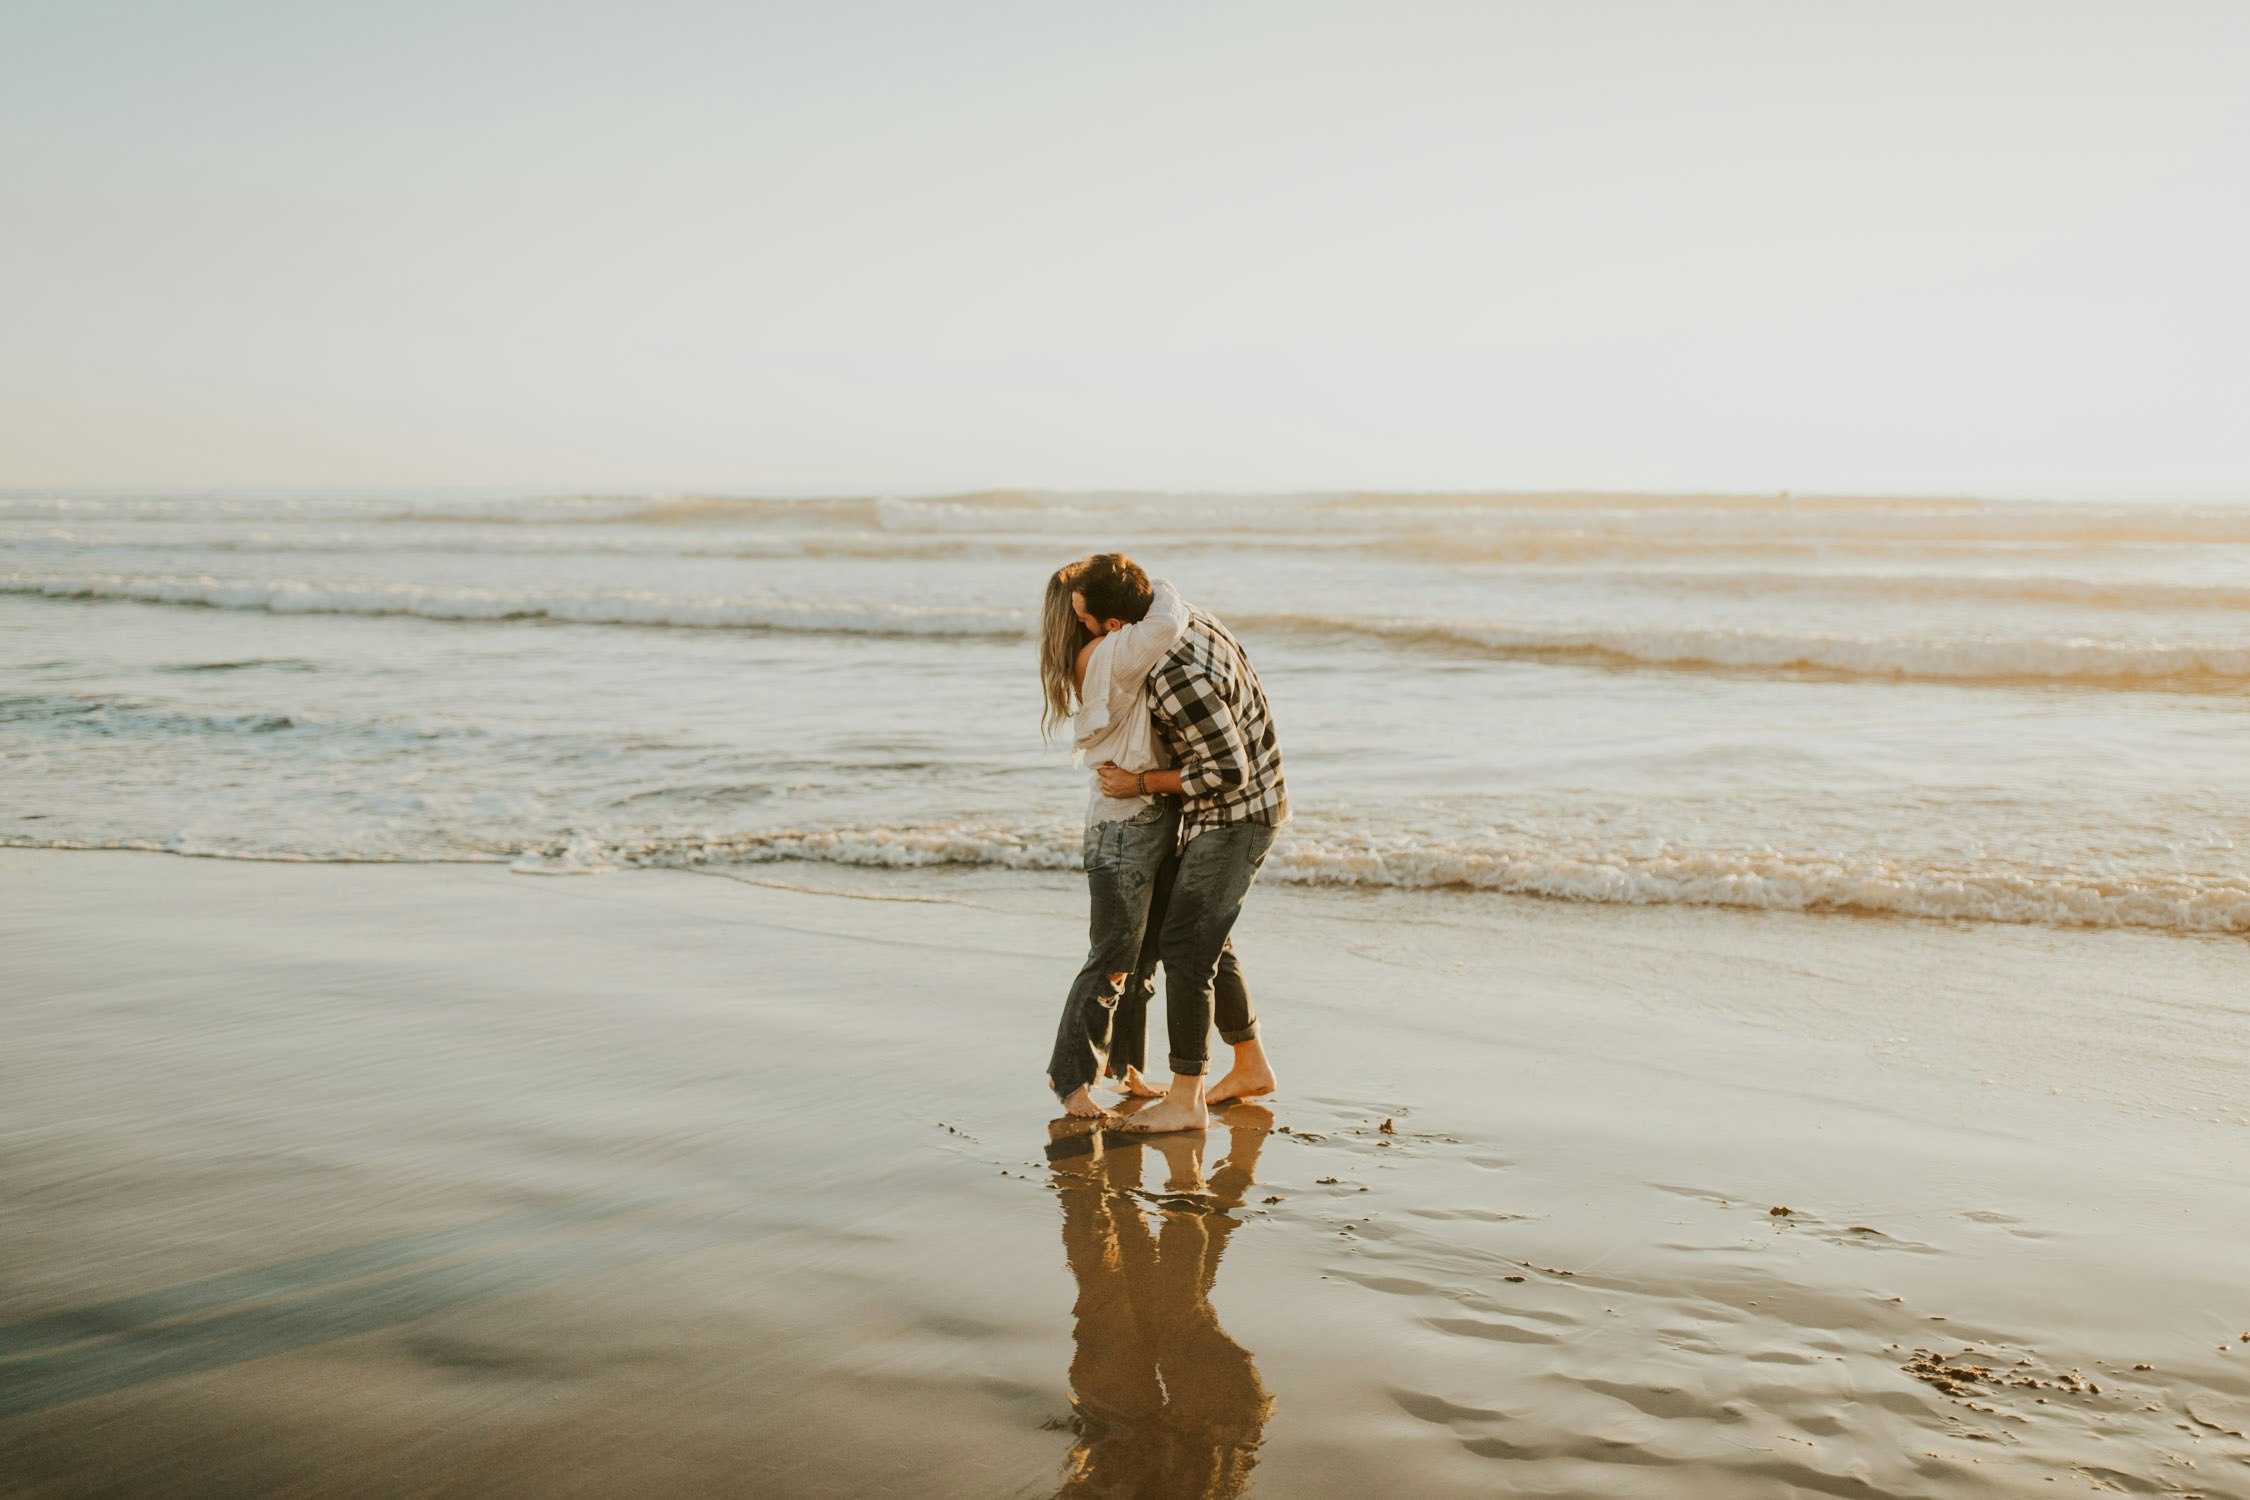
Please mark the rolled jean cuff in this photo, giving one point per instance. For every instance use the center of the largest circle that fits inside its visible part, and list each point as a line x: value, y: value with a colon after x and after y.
x: 1190, y: 1067
x: 1248, y: 1033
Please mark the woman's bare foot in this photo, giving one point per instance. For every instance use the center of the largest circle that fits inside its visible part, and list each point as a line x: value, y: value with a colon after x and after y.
x: 1251, y: 1077
x: 1181, y: 1108
x: 1081, y: 1106
x: 1137, y: 1086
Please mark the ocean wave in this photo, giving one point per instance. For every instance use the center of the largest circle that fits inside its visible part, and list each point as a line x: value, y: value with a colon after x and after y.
x: 503, y: 541
x: 1441, y: 501
x: 69, y: 716
x: 1465, y: 528
x: 866, y: 512
x: 1673, y: 571
x: 85, y: 716
x: 1439, y: 518
x: 141, y: 507
x: 727, y: 510
x: 1735, y: 566
x: 2087, y: 662
x: 1587, y: 546
x: 191, y: 848
x: 1654, y: 873
x: 288, y: 509
x: 81, y: 543
x: 1840, y: 519
x: 1936, y: 586
x: 1456, y: 526
x: 1662, y: 875
x: 1982, y: 659
x: 609, y: 607
x: 1436, y: 519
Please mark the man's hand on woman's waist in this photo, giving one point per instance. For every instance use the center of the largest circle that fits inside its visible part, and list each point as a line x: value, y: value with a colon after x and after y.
x: 1116, y: 781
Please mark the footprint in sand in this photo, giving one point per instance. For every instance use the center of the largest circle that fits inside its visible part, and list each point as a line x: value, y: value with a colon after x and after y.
x: 2016, y: 1227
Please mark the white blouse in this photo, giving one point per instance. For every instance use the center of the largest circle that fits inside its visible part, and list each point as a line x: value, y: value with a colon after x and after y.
x: 1113, y: 723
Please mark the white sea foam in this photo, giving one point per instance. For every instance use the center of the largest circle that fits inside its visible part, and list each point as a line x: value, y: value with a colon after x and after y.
x: 606, y: 607
x: 579, y: 856
x: 1932, y: 587
x: 1643, y: 876
x: 79, y: 540
x: 1662, y: 875
x: 2083, y: 661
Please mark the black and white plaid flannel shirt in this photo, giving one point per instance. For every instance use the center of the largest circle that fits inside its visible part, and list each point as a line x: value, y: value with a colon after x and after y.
x: 1212, y: 714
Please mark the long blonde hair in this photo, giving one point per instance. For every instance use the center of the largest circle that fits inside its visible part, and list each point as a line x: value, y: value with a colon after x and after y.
x: 1062, y: 635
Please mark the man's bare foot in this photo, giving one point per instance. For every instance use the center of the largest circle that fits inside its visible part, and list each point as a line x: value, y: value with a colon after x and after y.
x: 1240, y: 1085
x: 1081, y: 1106
x: 1251, y: 1077
x: 1181, y: 1108
x: 1137, y: 1086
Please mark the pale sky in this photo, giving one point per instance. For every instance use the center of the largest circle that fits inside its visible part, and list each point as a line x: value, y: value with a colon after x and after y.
x: 1997, y: 248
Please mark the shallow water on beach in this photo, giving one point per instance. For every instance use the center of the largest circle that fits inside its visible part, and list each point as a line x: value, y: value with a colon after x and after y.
x: 2019, y: 712
x: 393, y: 1181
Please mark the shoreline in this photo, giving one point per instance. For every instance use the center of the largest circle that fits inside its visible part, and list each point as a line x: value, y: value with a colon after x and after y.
x: 2217, y: 918
x: 719, y: 1186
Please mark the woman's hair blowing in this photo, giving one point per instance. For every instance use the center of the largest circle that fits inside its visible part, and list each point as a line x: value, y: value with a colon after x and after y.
x: 1061, y: 636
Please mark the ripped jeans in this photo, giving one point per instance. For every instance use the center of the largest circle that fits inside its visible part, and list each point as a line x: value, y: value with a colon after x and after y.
x: 1129, y: 865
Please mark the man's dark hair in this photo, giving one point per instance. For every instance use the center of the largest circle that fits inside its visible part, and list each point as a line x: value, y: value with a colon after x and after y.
x: 1115, y: 588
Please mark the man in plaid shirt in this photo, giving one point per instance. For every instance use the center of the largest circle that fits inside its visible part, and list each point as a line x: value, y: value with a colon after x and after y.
x: 1211, y: 714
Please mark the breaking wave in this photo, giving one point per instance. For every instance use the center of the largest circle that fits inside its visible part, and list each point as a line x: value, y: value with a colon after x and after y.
x: 2080, y: 661
x: 1662, y: 876
x: 1934, y: 587
x: 2085, y: 662
x: 2181, y: 902
x: 605, y: 607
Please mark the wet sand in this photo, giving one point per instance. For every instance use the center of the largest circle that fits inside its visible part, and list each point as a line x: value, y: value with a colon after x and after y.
x: 416, y: 1180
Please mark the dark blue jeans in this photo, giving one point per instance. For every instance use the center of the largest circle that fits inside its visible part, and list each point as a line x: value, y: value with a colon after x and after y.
x: 1128, y: 871
x: 1201, y: 974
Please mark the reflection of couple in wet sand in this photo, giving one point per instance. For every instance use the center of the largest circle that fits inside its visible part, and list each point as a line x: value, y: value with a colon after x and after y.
x: 1187, y: 796
x: 1166, y: 1404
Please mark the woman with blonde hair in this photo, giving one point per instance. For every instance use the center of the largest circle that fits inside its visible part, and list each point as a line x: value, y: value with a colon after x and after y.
x: 1094, y: 674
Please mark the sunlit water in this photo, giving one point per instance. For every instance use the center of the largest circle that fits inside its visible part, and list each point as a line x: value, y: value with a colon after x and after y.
x: 2014, y: 712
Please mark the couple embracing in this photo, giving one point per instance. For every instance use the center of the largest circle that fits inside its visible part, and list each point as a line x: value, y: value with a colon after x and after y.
x: 1187, y: 798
